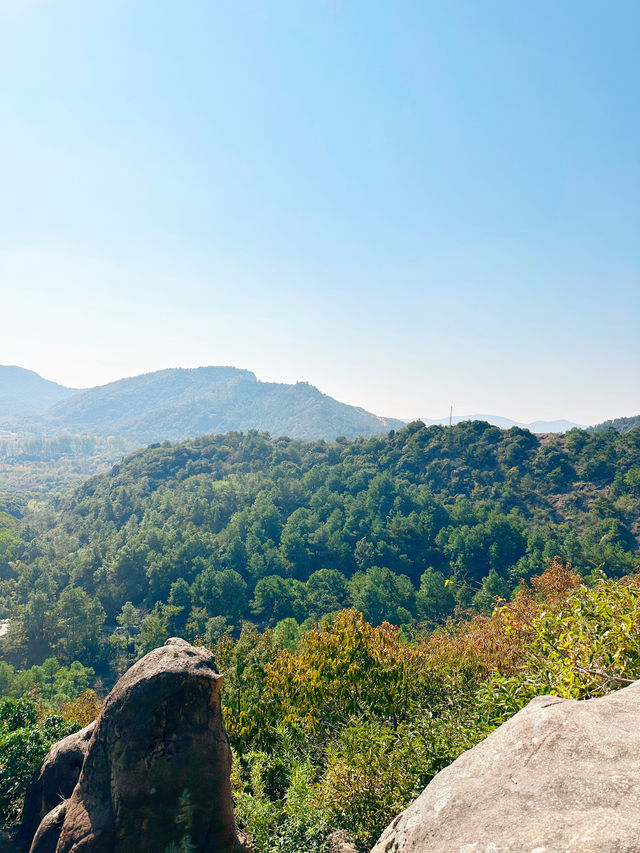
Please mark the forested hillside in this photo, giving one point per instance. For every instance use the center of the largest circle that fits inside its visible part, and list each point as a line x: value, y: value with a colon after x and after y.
x: 181, y: 403
x: 619, y: 424
x: 196, y: 537
x: 258, y: 547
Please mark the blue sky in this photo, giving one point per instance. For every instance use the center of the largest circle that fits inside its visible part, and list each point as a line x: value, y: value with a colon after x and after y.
x: 408, y: 204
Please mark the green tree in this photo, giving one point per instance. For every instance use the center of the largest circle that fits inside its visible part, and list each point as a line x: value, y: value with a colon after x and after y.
x: 434, y: 599
x: 277, y: 598
x: 79, y: 621
x: 382, y: 595
x: 23, y: 746
x: 326, y: 592
x: 129, y: 618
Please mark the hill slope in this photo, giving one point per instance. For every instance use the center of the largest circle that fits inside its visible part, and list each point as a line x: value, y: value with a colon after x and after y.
x: 180, y: 403
x: 23, y: 392
x: 222, y: 528
x: 619, y: 424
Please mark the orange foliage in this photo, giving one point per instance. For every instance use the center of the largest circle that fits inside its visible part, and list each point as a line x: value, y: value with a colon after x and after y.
x: 496, y: 642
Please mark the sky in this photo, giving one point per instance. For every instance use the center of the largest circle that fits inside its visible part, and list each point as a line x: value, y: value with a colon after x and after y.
x: 410, y: 205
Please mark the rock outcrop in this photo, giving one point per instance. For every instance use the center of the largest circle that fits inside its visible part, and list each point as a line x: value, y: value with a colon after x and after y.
x: 54, y: 782
x: 157, y: 767
x: 560, y: 777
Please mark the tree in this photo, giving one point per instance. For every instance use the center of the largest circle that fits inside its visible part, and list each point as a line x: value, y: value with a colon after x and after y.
x: 23, y: 746
x: 221, y: 593
x: 129, y: 618
x: 493, y: 590
x: 326, y: 592
x: 379, y: 594
x: 154, y: 628
x: 277, y: 598
x: 345, y: 669
x: 79, y: 620
x: 434, y: 599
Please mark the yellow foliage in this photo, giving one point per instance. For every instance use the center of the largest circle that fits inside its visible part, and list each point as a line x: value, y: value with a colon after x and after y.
x: 84, y: 709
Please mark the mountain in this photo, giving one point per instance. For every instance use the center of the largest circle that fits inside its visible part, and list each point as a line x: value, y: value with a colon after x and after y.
x: 507, y: 423
x: 180, y: 403
x: 23, y: 392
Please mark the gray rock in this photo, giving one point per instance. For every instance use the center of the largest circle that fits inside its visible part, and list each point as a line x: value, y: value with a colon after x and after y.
x: 54, y: 782
x: 560, y: 777
x: 158, y: 764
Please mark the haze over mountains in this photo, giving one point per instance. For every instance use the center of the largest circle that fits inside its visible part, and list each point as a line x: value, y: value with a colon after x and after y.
x: 180, y: 403
x: 507, y: 423
x: 23, y: 392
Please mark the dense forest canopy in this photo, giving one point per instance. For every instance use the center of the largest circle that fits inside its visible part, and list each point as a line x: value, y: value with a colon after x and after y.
x: 195, y: 538
x: 377, y: 605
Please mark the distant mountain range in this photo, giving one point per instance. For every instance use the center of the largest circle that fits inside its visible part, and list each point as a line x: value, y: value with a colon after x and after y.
x: 507, y: 423
x: 24, y: 392
x: 181, y: 403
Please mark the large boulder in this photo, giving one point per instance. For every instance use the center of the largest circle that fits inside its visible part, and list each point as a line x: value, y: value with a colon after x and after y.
x: 158, y: 765
x: 55, y: 781
x: 560, y: 777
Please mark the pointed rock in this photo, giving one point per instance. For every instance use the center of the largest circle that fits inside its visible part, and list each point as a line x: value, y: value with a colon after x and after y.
x: 158, y: 766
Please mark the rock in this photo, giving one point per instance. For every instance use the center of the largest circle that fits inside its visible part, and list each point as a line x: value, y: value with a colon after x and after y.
x: 560, y: 777
x: 54, y: 782
x: 158, y: 764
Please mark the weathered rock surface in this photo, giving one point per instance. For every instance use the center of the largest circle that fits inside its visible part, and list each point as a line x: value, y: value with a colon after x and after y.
x: 158, y: 763
x: 55, y: 781
x: 560, y: 777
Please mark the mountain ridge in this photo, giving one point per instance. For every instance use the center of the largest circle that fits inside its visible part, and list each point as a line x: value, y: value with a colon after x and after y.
x: 179, y: 403
x: 24, y: 392
x: 538, y: 426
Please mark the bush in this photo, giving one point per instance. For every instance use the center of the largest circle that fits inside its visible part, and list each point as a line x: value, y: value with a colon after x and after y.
x: 586, y: 647
x: 24, y: 744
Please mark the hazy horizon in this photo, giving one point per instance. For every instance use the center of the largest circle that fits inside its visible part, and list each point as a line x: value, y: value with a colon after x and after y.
x: 456, y: 414
x: 409, y: 206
